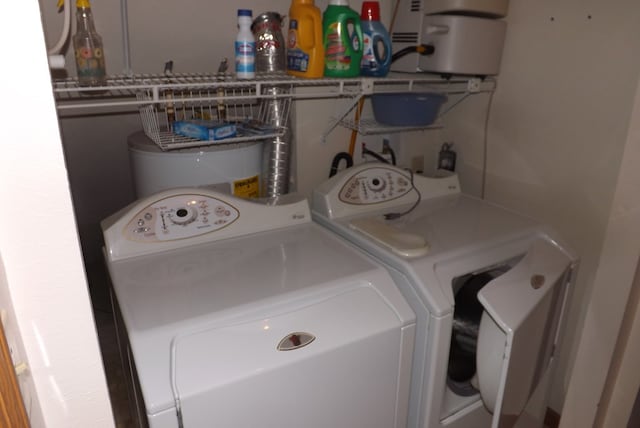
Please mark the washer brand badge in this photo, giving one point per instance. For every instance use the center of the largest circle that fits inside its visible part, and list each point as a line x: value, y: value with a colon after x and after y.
x: 247, y: 187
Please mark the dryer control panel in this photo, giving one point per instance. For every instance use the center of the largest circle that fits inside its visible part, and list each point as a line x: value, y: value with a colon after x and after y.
x: 374, y: 185
x: 181, y: 216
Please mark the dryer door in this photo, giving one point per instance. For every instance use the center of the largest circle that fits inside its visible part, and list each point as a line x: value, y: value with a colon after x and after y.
x: 518, y: 331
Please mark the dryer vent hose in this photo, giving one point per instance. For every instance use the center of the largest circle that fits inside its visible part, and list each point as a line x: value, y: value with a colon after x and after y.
x: 342, y: 156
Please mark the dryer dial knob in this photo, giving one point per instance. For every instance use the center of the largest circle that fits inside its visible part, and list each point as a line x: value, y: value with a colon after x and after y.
x: 184, y: 216
x: 377, y: 184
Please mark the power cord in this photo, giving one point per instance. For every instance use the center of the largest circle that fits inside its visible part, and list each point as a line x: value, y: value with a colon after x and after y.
x: 393, y: 216
x: 485, y: 147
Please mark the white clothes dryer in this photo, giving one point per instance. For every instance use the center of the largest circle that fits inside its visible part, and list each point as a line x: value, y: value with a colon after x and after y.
x: 488, y: 287
x: 243, y: 313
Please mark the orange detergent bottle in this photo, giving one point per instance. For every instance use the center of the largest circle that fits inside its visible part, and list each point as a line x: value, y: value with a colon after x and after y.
x: 305, y: 52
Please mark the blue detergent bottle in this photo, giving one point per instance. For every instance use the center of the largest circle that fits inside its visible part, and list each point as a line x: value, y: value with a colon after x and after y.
x: 376, y: 53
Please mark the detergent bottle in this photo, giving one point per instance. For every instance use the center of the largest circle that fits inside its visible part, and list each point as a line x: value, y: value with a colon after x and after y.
x: 376, y: 54
x: 305, y: 53
x: 342, y: 40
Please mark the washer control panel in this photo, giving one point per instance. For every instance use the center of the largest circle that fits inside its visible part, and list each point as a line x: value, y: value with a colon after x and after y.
x: 179, y: 217
x: 375, y: 185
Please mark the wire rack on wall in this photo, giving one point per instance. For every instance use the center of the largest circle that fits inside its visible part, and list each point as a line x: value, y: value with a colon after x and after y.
x: 239, y: 107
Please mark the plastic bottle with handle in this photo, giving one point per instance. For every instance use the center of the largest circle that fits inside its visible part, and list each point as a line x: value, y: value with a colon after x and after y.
x: 305, y: 52
x: 342, y: 40
x: 376, y: 55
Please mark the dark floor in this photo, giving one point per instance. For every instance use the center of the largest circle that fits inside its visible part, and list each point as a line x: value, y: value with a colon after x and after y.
x: 99, y: 286
x: 113, y: 369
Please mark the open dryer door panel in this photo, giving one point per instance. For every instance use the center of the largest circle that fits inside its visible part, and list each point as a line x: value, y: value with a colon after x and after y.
x: 518, y: 332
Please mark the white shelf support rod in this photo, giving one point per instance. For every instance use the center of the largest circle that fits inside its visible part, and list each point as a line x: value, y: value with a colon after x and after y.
x: 126, y: 51
x: 337, y: 119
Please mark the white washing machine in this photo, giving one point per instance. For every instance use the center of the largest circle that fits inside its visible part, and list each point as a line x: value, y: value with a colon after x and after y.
x: 244, y: 313
x: 488, y: 287
x: 230, y: 168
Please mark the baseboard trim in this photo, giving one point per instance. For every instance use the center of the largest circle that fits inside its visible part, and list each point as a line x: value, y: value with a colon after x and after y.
x: 551, y: 419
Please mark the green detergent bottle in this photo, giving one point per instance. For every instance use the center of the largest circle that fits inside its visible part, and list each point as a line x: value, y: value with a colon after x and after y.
x: 342, y: 40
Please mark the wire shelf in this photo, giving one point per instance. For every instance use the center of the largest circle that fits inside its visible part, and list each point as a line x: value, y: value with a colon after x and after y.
x: 158, y: 97
x: 123, y: 90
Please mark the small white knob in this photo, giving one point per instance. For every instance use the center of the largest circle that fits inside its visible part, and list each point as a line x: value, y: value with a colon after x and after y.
x: 20, y: 368
x: 56, y: 62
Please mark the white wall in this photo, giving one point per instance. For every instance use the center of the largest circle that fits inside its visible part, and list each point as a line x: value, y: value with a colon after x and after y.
x: 558, y: 128
x: 43, y: 290
x: 611, y: 296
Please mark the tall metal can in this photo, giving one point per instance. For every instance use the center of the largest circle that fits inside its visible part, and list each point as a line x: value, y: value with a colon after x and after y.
x: 270, y: 44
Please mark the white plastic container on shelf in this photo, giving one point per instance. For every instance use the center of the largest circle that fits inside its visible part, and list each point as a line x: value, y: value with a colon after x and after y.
x: 489, y: 8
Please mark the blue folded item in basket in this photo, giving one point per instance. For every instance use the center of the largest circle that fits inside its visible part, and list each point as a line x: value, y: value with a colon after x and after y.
x: 205, y: 129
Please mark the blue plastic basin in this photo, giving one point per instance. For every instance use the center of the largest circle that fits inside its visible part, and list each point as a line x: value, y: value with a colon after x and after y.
x: 407, y: 108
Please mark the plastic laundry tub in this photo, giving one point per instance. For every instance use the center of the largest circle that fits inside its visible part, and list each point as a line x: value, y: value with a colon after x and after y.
x: 407, y: 108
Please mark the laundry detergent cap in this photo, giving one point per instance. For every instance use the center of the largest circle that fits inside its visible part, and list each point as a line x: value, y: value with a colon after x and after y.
x: 370, y: 11
x: 339, y: 2
x: 83, y: 3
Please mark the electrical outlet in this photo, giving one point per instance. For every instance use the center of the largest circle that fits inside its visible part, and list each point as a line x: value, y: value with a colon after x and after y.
x: 473, y: 85
x: 417, y: 164
x: 381, y: 145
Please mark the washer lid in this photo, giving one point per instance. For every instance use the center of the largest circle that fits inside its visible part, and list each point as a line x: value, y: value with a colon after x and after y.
x: 518, y: 330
